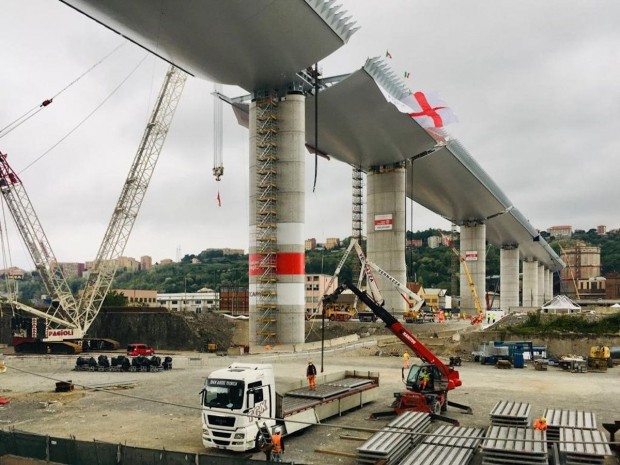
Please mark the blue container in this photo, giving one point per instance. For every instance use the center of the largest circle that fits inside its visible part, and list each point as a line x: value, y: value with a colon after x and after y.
x: 517, y: 360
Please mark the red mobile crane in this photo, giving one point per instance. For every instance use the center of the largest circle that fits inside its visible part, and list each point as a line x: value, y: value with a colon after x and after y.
x: 427, y: 384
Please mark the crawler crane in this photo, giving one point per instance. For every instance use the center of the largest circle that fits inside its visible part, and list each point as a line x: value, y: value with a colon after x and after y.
x: 63, y: 328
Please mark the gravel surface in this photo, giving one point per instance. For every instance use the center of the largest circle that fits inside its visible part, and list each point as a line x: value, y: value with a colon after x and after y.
x: 120, y: 409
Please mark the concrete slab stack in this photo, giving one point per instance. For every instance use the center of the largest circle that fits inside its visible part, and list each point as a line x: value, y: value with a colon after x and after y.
x: 583, y: 446
x: 509, y: 413
x: 505, y: 445
x: 395, y: 440
x: 447, y: 445
x: 557, y: 418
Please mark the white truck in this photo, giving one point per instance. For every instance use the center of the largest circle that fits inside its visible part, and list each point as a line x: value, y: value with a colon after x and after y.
x: 237, y: 399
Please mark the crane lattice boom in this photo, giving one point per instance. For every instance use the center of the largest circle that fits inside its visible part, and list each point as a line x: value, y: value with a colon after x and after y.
x: 70, y: 313
x: 36, y: 242
x: 130, y: 200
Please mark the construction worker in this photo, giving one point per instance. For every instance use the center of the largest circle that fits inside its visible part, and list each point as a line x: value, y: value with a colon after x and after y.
x: 405, y: 367
x: 311, y: 375
x: 278, y: 445
x: 540, y: 424
x: 424, y: 378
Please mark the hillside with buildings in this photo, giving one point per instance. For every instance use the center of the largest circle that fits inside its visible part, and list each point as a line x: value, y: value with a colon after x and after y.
x: 218, y: 278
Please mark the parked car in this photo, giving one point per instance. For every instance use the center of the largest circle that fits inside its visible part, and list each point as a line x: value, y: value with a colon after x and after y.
x: 133, y: 350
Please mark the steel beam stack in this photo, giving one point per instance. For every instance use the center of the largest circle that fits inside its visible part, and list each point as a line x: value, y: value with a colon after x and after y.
x: 508, y: 413
x: 395, y: 440
x: 557, y: 419
x: 583, y: 446
x: 508, y: 446
x: 448, y: 445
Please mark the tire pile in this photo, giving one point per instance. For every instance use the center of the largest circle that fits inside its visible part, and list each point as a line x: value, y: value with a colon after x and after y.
x: 123, y: 363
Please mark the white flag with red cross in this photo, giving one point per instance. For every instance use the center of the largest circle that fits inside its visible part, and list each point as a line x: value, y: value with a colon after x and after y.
x: 429, y: 110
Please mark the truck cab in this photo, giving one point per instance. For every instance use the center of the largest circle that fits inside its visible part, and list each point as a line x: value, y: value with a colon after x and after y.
x: 233, y: 400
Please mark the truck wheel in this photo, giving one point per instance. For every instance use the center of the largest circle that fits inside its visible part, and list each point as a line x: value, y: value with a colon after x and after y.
x: 373, y: 318
x: 436, y: 407
x: 332, y: 318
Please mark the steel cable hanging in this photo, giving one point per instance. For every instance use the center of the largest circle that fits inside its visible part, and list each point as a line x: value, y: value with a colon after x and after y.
x: 87, y: 116
x: 36, y: 109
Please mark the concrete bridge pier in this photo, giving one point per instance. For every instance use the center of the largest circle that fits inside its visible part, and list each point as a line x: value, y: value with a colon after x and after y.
x: 530, y: 283
x: 509, y: 277
x: 473, y: 248
x: 542, y: 287
x: 385, y: 229
x: 549, y: 283
x: 276, y: 218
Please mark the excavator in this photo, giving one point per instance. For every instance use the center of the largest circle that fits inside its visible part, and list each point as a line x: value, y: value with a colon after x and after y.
x: 427, y: 383
x: 62, y: 329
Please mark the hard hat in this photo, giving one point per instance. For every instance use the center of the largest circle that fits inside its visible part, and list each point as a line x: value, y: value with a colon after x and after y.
x: 543, y: 419
x: 309, y: 361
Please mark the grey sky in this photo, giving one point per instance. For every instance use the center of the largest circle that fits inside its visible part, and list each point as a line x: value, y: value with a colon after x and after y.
x: 534, y: 84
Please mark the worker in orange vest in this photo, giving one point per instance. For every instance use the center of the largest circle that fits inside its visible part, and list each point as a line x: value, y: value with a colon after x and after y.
x: 311, y: 375
x: 278, y: 446
x: 540, y: 424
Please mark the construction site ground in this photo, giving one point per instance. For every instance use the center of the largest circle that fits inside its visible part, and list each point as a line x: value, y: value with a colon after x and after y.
x: 162, y: 410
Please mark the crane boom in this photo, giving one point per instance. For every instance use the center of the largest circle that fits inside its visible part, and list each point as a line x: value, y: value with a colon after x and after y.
x: 38, y: 246
x: 366, y: 270
x: 402, y: 333
x: 130, y: 200
x: 73, y: 317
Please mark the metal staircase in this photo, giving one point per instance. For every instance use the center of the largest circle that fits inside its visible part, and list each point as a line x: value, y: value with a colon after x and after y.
x: 266, y: 217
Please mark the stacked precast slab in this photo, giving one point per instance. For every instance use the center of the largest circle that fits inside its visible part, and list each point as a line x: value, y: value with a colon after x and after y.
x: 447, y: 445
x: 395, y: 440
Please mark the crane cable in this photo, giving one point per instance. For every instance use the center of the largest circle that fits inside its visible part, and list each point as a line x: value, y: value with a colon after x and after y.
x: 87, y: 117
x: 36, y: 109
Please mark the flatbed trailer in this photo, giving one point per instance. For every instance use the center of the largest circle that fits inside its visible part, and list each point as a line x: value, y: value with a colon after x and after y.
x: 242, y: 400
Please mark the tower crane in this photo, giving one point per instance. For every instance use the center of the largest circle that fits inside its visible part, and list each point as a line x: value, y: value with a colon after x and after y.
x: 67, y: 324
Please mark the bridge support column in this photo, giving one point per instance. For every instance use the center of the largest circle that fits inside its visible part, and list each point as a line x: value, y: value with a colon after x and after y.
x: 473, y: 248
x: 276, y: 218
x: 508, y: 277
x: 385, y: 220
x: 549, y: 284
x: 542, y: 287
x: 530, y: 284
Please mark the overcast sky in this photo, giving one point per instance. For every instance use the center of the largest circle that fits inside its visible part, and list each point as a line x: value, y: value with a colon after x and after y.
x: 535, y: 85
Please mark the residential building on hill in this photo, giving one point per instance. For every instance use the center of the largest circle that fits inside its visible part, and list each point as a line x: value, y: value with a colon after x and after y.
x: 332, y: 243
x: 146, y: 263
x: 310, y: 244
x: 564, y: 230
